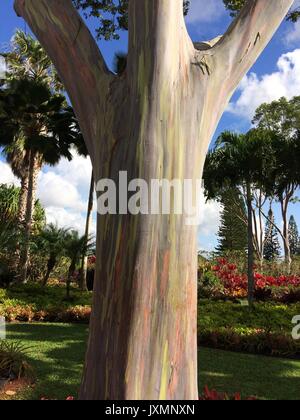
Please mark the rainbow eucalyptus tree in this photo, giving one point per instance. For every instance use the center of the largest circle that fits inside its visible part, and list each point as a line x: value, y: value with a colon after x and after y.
x: 155, y: 122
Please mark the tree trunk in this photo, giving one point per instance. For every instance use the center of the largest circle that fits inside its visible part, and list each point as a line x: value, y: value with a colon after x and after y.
x: 84, y: 260
x: 23, y: 199
x: 21, y: 218
x: 69, y: 279
x: 34, y: 168
x: 50, y: 266
x: 154, y: 122
x: 250, y: 247
x: 285, y: 233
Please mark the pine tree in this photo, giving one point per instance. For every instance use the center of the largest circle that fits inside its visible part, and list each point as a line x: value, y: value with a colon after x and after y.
x: 272, y: 246
x: 233, y: 230
x: 294, y: 236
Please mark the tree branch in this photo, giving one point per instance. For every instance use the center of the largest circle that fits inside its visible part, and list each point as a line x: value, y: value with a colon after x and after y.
x: 246, y: 38
x: 75, y: 54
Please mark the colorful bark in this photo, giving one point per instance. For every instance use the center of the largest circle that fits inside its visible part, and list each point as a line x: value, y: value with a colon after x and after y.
x: 155, y: 122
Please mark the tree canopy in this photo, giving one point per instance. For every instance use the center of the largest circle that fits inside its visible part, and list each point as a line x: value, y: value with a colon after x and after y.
x: 113, y: 14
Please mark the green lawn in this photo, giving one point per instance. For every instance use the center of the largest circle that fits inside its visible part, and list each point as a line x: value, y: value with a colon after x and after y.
x: 58, y: 352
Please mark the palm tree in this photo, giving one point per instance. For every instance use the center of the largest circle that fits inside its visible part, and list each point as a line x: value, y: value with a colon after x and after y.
x: 75, y: 247
x: 9, y: 196
x: 52, y: 240
x: 244, y: 161
x: 27, y: 59
x: 48, y: 129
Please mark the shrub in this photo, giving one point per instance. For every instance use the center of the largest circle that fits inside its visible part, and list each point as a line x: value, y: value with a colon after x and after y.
x: 13, y: 361
x: 213, y: 395
x: 250, y: 341
x: 225, y: 280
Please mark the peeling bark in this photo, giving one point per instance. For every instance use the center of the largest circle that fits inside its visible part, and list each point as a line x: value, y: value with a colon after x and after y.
x: 155, y: 122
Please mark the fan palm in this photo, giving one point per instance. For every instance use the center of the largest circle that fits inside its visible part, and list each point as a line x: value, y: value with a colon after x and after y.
x: 241, y: 160
x: 75, y: 247
x: 48, y: 129
x: 27, y: 59
x: 52, y: 240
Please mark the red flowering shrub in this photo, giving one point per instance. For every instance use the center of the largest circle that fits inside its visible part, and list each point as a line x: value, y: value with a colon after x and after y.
x: 234, y: 284
x: 213, y: 395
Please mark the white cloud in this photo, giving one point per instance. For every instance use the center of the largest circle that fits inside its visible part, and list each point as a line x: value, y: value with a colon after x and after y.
x: 77, y: 172
x: 67, y: 218
x: 55, y: 191
x: 205, y: 11
x: 63, y: 191
x: 255, y: 90
x: 209, y: 224
x: 6, y: 175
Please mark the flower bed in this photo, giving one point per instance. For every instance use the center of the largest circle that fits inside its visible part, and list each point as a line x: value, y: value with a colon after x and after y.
x: 225, y: 280
x: 19, y: 313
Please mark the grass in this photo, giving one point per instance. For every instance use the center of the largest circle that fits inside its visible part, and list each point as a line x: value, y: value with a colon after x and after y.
x: 270, y: 316
x: 43, y: 298
x: 58, y: 353
x: 57, y: 356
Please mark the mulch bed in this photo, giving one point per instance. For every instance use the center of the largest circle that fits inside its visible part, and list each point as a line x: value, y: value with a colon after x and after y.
x: 9, y: 389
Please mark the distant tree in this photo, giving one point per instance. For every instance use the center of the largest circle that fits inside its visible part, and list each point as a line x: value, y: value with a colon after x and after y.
x: 236, y: 5
x: 241, y: 161
x: 233, y: 230
x: 26, y: 60
x: 48, y: 129
x: 52, y: 241
x: 9, y: 198
x: 294, y: 236
x: 74, y: 247
x: 282, y: 118
x: 272, y: 245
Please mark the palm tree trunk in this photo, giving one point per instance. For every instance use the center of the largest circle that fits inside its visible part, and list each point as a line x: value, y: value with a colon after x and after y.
x: 250, y: 247
x: 23, y: 198
x: 84, y: 261
x: 70, y: 273
x: 286, y: 243
x: 34, y: 168
x: 46, y: 277
x: 21, y: 216
x: 50, y: 266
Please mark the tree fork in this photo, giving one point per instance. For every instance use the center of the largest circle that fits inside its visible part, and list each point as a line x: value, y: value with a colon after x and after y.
x: 143, y: 330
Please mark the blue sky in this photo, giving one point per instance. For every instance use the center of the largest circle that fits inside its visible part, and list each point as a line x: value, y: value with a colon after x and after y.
x: 63, y: 189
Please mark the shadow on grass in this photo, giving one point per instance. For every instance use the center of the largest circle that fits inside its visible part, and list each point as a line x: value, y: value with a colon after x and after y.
x: 250, y: 375
x: 58, y: 350
x: 57, y: 355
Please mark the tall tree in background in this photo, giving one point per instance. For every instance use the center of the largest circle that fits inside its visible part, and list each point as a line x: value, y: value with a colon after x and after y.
x: 143, y: 332
x: 30, y: 112
x: 294, y: 237
x: 233, y: 230
x: 271, y: 245
x: 282, y: 117
x: 26, y: 60
x: 241, y: 161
